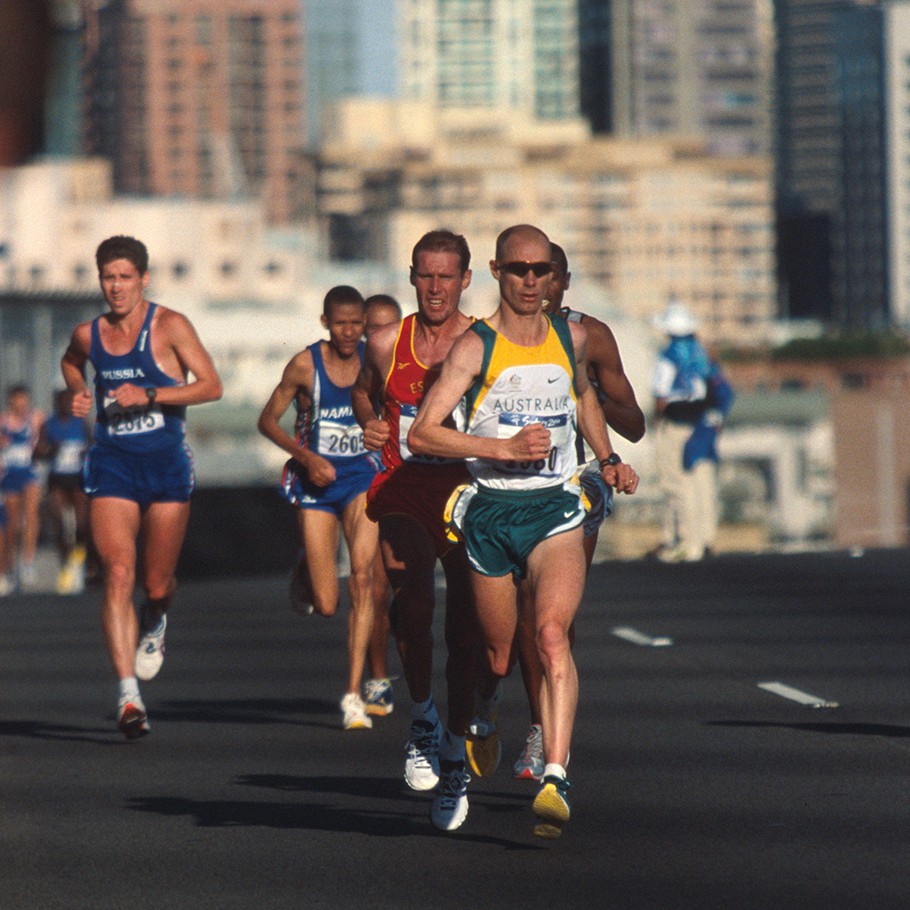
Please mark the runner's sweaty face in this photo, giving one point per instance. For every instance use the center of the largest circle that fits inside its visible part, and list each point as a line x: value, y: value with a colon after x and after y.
x: 345, y: 322
x: 123, y: 286
x: 439, y: 281
x: 524, y: 294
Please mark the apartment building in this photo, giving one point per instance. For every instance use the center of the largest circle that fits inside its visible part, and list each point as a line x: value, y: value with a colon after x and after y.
x: 197, y: 98
x: 515, y: 55
x: 703, y: 67
x: 646, y: 219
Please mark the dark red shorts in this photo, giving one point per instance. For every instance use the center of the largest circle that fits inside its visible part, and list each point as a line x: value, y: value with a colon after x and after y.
x: 419, y: 491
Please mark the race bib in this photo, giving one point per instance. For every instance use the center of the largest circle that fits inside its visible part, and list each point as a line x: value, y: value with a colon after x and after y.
x: 68, y: 459
x: 17, y: 455
x: 560, y: 434
x: 132, y: 421
x: 405, y: 420
x: 338, y: 440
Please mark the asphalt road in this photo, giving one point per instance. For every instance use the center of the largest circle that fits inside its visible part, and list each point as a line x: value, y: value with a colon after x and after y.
x: 694, y: 787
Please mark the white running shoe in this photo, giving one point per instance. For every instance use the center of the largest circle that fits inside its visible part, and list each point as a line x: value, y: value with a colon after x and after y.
x: 131, y: 717
x: 421, y: 767
x: 150, y: 652
x: 450, y: 804
x: 355, y: 715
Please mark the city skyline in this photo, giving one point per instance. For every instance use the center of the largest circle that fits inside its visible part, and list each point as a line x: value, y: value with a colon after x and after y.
x: 235, y: 124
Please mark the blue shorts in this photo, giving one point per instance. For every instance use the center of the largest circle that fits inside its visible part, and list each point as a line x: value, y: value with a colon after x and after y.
x: 598, y: 499
x: 502, y: 527
x: 350, y: 482
x: 165, y: 475
x: 15, y: 480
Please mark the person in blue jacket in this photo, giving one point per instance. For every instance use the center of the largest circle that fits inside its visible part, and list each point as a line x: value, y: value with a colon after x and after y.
x: 691, y: 400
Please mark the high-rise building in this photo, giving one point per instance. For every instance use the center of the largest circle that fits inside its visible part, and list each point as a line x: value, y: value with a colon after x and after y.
x: 700, y: 67
x: 897, y: 56
x: 350, y: 50
x: 830, y: 159
x: 199, y: 98
x: 642, y: 220
x: 599, y: 69
x: 519, y: 56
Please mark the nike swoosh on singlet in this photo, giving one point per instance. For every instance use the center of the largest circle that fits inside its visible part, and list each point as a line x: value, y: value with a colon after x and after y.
x: 402, y: 366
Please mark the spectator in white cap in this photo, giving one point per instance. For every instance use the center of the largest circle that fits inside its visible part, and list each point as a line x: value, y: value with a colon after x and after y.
x: 691, y: 399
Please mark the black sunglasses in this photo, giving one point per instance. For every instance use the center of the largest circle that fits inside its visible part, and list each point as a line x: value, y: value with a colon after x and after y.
x: 520, y: 269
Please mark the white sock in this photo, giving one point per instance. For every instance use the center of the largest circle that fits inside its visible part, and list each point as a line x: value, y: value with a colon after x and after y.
x: 554, y: 770
x: 129, y: 687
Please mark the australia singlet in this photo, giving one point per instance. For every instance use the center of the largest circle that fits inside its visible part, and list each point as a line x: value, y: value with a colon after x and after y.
x: 328, y: 426
x: 521, y: 385
x: 149, y: 428
x: 406, y: 385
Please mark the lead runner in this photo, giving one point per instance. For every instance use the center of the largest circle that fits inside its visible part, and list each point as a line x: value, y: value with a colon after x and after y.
x: 149, y: 365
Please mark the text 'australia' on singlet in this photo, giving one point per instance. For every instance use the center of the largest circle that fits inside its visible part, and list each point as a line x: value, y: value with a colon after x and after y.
x: 143, y: 429
x: 406, y: 384
x: 328, y: 426
x: 518, y: 386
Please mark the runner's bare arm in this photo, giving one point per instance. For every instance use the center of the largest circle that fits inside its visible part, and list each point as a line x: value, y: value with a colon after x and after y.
x: 428, y: 436
x: 620, y: 407
x: 368, y: 388
x: 72, y: 366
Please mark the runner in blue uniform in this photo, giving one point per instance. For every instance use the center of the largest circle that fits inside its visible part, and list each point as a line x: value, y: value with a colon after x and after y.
x: 20, y: 424
x: 64, y: 441
x: 149, y: 366
x: 328, y: 475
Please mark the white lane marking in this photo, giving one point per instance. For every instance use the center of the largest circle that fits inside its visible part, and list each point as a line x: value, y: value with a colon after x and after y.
x: 639, y: 638
x: 804, y: 698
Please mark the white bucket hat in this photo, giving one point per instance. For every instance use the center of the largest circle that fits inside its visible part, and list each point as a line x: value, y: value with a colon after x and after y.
x: 676, y: 320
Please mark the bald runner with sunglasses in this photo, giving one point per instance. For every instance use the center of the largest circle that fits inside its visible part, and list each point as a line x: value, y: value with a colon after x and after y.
x: 522, y: 375
x: 623, y: 415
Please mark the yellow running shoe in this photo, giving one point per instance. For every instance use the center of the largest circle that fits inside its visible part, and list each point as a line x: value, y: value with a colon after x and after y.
x: 551, y: 806
x: 483, y: 746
